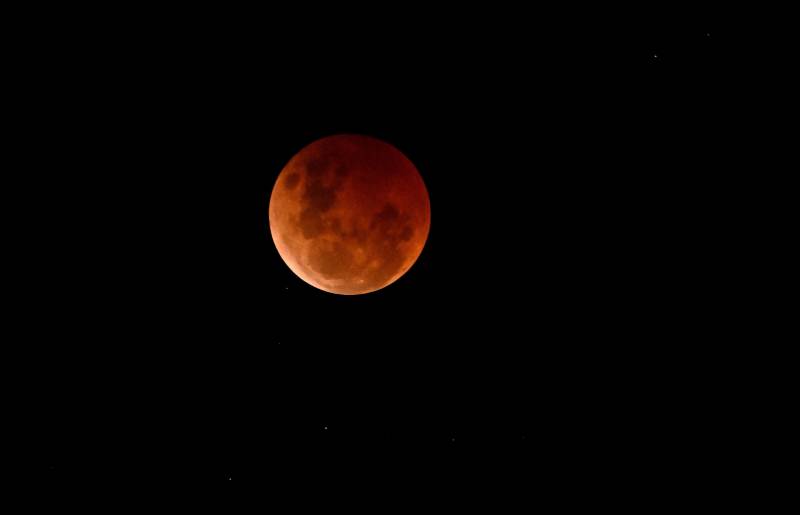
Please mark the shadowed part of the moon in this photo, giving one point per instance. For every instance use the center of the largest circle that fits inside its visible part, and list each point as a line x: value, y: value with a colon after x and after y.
x: 359, y: 219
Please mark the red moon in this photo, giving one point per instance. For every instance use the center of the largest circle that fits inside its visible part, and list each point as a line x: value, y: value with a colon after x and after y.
x: 349, y: 214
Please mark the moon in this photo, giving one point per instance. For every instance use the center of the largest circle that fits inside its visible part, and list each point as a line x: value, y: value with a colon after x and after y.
x: 349, y: 214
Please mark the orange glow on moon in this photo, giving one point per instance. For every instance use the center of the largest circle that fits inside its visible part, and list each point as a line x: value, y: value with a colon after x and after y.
x: 349, y: 214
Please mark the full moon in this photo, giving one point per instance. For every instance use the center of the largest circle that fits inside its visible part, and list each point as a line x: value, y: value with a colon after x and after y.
x: 349, y: 214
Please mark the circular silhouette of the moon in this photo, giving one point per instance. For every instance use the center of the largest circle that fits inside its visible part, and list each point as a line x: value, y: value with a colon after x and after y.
x: 349, y: 214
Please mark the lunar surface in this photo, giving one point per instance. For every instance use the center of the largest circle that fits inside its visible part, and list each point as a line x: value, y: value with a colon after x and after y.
x: 349, y: 214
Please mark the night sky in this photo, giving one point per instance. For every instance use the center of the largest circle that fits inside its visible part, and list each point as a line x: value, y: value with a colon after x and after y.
x: 539, y: 341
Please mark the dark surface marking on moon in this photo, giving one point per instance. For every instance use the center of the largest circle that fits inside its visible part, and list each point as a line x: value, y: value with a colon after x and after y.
x: 392, y: 225
x: 317, y: 165
x: 353, y: 233
x: 292, y: 180
x: 406, y: 233
x: 319, y: 196
x: 389, y: 227
x: 385, y: 217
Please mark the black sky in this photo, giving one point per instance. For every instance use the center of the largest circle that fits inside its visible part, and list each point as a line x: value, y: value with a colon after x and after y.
x: 542, y: 336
